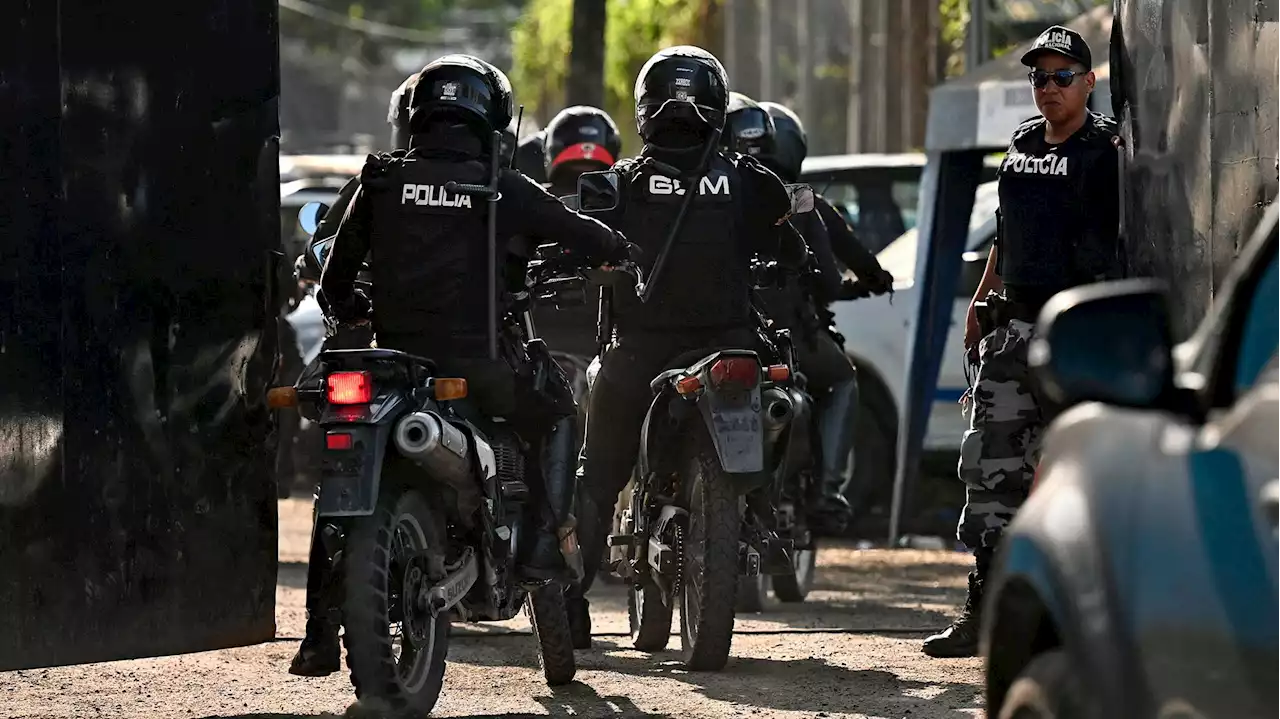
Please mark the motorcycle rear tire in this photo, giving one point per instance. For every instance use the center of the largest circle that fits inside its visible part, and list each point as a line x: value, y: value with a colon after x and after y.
x: 551, y: 628
x: 709, y: 586
x: 374, y: 588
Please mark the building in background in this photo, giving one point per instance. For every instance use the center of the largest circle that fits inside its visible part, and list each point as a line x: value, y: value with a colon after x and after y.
x: 859, y: 71
x: 336, y: 103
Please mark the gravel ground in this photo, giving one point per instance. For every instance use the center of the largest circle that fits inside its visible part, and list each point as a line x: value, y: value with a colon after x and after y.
x: 851, y: 651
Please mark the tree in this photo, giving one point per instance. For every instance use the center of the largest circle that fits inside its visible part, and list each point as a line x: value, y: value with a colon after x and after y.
x: 635, y: 29
x: 586, y: 78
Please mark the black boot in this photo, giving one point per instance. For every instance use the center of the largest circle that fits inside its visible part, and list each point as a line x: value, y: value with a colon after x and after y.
x: 961, y: 638
x: 320, y: 654
x: 837, y: 412
x: 579, y: 611
x: 555, y: 553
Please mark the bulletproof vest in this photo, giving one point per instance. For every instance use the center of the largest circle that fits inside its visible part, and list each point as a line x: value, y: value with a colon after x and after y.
x: 430, y: 255
x: 705, y: 282
x: 1045, y: 200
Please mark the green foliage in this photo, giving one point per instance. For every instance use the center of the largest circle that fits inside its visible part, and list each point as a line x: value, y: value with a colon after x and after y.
x: 636, y: 29
x: 954, y: 17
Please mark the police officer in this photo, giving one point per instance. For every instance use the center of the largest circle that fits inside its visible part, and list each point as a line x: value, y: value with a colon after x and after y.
x: 1057, y: 228
x: 702, y: 299
x: 791, y: 146
x: 579, y: 139
x: 429, y: 249
x: 832, y: 380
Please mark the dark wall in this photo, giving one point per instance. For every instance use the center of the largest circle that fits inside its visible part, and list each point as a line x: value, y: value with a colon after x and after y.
x: 139, y: 182
x: 1195, y: 85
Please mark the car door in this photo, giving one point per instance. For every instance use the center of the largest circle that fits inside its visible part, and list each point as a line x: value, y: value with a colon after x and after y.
x: 1208, y: 612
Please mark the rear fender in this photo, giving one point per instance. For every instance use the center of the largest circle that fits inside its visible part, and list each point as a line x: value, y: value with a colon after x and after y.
x: 350, y: 479
x: 643, y: 464
x: 733, y: 421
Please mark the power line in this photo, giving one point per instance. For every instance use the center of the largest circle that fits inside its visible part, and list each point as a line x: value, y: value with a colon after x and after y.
x: 368, y: 27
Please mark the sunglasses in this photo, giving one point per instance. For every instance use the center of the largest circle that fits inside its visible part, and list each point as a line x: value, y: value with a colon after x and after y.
x: 1062, y: 78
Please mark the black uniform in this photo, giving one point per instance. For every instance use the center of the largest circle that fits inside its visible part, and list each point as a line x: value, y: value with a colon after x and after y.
x: 1059, y: 213
x: 702, y: 300
x: 429, y: 247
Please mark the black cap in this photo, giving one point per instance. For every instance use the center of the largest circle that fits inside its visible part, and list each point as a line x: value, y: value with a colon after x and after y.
x: 1062, y: 41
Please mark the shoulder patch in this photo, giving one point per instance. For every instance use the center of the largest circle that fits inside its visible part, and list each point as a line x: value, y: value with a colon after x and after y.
x: 1027, y: 126
x: 376, y: 167
x: 1102, y: 127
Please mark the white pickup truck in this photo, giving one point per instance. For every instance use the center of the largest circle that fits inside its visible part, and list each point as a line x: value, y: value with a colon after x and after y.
x: 877, y: 332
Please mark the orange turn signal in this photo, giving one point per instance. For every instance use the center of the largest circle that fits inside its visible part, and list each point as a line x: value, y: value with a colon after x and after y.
x: 282, y: 397
x: 779, y: 373
x: 448, y: 388
x: 688, y: 385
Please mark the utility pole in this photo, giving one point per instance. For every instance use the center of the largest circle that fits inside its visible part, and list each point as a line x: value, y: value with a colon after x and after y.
x: 978, y: 40
x: 585, y: 84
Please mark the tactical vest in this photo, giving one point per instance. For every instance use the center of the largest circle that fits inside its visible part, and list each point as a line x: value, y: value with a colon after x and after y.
x: 1045, y: 202
x: 705, y: 282
x: 430, y: 255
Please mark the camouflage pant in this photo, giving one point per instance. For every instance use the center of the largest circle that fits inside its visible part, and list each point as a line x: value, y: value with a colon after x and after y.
x: 999, y: 452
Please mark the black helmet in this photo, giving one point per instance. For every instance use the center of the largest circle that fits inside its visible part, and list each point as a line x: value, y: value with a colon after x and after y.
x: 683, y: 86
x: 748, y: 129
x: 581, y: 135
x: 398, y: 113
x: 464, y: 89
x: 791, y: 145
x: 529, y: 156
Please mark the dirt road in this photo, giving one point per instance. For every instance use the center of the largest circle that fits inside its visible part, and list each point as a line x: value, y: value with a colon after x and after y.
x: 851, y: 651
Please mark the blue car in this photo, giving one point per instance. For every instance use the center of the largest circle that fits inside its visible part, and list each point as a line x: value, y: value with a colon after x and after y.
x: 1139, y: 579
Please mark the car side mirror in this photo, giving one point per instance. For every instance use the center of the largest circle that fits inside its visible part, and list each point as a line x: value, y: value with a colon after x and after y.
x: 801, y: 198
x: 310, y: 215
x: 598, y: 191
x: 1109, y: 342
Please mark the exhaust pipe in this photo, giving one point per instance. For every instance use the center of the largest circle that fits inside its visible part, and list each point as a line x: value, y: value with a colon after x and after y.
x: 778, y: 412
x: 437, y: 446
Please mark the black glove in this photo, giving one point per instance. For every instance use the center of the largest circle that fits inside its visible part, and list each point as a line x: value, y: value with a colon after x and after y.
x: 353, y: 310
x: 854, y: 290
x: 623, y: 252
x: 879, y: 283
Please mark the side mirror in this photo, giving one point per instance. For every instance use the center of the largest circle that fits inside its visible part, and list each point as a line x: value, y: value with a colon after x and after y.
x: 801, y: 198
x: 320, y: 251
x: 598, y: 191
x: 1110, y: 342
x: 310, y: 215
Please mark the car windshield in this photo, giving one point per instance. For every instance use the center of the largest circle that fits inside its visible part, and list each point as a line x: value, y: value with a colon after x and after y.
x: 899, y: 258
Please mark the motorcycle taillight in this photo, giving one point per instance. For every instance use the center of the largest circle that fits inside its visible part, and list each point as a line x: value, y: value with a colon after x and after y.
x: 743, y: 372
x: 350, y: 388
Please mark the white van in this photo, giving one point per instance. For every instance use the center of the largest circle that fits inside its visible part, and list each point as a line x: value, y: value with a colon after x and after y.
x: 877, y: 332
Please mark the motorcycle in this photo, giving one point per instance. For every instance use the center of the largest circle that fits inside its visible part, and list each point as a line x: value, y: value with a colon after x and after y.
x: 424, y: 507
x: 794, y: 484
x: 700, y: 499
